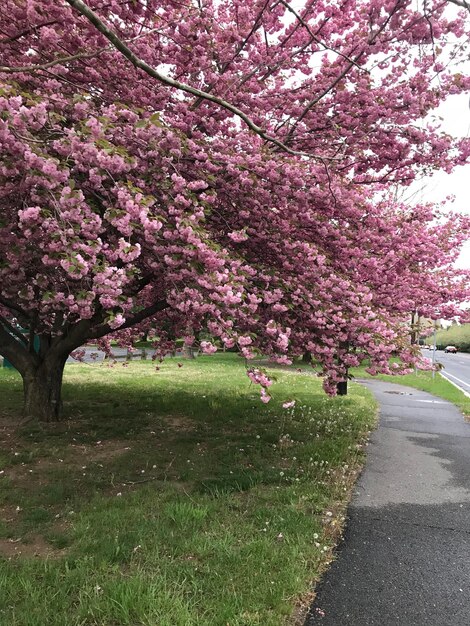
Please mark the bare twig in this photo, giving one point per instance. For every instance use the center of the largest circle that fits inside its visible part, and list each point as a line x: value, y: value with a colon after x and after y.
x: 138, y: 482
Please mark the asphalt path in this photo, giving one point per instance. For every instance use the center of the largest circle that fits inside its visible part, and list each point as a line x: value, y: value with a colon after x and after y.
x: 405, y: 557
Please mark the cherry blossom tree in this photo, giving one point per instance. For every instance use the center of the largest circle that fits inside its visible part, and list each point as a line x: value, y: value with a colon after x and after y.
x: 227, y: 167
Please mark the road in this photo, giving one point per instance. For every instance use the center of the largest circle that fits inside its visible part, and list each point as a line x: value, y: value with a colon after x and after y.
x: 456, y: 367
x: 93, y: 355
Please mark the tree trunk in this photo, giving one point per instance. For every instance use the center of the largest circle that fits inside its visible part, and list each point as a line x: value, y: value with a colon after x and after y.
x: 187, y: 352
x: 42, y: 391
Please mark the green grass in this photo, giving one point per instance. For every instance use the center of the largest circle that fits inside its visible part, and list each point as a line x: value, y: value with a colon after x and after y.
x: 424, y: 381
x: 173, y: 497
x: 454, y: 336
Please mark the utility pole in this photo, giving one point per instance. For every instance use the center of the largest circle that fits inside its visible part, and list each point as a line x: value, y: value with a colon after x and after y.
x: 434, y: 353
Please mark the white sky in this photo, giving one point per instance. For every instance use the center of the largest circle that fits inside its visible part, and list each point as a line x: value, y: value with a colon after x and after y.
x: 456, y: 121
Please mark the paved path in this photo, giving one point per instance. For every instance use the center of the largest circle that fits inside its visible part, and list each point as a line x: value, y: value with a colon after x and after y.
x: 405, y: 558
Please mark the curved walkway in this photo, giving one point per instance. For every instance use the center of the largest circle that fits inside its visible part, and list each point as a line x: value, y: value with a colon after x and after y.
x: 405, y: 557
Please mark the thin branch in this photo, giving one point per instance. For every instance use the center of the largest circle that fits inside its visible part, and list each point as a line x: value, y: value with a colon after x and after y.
x: 240, y: 47
x: 315, y: 38
x: 270, y: 70
x: 12, y: 330
x: 351, y: 64
x: 28, y: 31
x: 105, y: 329
x: 13, y: 307
x: 59, y: 61
x: 245, y: 41
x: 313, y: 102
x: 119, y: 44
x: 461, y: 3
x: 66, y: 59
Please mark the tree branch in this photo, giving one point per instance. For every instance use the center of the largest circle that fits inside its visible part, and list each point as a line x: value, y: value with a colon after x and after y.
x: 13, y: 307
x: 23, y: 33
x: 59, y: 61
x: 15, y: 352
x: 315, y: 38
x: 73, y: 57
x: 12, y: 330
x: 119, y: 44
x: 245, y: 41
x: 352, y: 63
x: 237, y: 52
x: 461, y: 3
x: 105, y: 329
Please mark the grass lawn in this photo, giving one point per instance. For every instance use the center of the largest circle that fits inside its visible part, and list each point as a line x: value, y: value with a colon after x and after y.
x: 424, y: 381
x: 173, y: 497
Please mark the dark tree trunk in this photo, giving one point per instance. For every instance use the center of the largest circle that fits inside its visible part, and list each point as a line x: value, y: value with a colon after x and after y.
x: 342, y: 388
x: 188, y: 352
x: 307, y: 357
x: 43, y: 391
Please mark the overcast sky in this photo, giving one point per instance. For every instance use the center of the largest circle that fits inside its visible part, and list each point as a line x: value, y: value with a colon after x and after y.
x: 456, y: 121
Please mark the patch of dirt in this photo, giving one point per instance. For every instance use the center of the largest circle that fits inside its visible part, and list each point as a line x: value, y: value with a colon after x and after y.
x: 180, y: 423
x: 34, y: 474
x: 301, y: 609
x: 8, y: 420
x: 24, y: 474
x: 36, y: 546
x: 100, y: 451
x: 8, y: 430
x: 8, y: 513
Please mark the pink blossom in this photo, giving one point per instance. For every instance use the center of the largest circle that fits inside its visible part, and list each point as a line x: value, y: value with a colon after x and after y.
x: 288, y: 405
x: 117, y: 321
x: 207, y: 347
x: 238, y: 236
x: 265, y: 397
